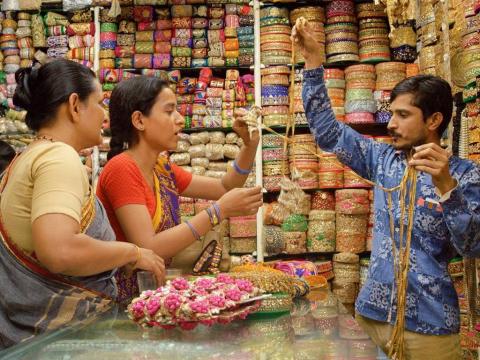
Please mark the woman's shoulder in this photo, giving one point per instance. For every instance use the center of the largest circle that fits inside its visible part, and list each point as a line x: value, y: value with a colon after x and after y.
x: 120, y: 169
x: 52, y: 154
x: 120, y: 163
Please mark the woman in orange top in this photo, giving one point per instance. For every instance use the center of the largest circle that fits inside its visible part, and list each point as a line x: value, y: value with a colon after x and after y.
x: 140, y: 188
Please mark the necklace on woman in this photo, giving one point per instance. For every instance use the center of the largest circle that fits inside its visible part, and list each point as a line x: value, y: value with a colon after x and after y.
x: 43, y: 137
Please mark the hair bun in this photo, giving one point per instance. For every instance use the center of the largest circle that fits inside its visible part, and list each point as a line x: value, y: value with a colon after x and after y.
x: 25, y: 79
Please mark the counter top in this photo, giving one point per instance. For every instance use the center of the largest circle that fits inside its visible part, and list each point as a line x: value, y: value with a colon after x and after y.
x: 319, y: 327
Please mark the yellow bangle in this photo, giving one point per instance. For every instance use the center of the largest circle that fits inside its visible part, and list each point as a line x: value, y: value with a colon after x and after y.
x: 139, y: 255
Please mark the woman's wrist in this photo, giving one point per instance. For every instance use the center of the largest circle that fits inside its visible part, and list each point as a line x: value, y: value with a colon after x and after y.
x: 136, y: 255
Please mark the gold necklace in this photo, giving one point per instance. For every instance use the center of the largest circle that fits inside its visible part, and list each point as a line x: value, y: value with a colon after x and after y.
x: 44, y: 137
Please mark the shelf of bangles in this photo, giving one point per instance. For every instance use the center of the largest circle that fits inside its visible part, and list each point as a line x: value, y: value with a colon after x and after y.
x: 365, y: 128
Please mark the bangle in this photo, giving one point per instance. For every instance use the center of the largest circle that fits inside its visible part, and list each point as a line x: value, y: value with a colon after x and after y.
x: 217, y: 211
x: 196, y: 235
x: 139, y: 255
x: 213, y: 216
x: 239, y: 170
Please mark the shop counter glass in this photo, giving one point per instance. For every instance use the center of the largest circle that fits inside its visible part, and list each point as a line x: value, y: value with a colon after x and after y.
x: 319, y: 327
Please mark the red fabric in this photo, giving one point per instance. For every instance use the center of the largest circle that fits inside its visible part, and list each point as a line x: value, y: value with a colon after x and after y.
x: 122, y: 183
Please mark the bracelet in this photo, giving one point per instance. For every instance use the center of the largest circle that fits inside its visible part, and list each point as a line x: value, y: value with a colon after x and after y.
x: 139, y: 255
x: 212, y: 216
x: 239, y: 170
x: 217, y: 211
x: 196, y: 235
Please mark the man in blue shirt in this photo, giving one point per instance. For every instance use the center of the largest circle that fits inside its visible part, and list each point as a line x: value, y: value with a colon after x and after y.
x: 447, y: 205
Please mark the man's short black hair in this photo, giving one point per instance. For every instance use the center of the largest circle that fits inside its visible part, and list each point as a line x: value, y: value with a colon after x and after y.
x: 431, y: 94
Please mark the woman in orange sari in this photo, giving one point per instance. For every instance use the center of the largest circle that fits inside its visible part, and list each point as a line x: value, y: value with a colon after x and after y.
x: 139, y: 187
x: 57, y: 250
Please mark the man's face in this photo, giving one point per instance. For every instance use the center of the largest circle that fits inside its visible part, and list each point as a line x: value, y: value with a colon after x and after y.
x: 407, y: 126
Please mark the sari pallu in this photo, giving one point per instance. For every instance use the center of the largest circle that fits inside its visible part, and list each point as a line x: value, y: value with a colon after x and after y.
x: 166, y: 216
x: 35, y: 301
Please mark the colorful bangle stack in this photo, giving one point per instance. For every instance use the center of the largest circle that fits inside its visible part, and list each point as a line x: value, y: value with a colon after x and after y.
x: 389, y: 74
x: 373, y: 36
x: 24, y: 40
x: 341, y: 32
x: 303, y: 164
x: 321, y: 231
x: 359, y: 105
x: 335, y: 83
x: 352, y: 201
x: 351, y: 232
x: 274, y: 39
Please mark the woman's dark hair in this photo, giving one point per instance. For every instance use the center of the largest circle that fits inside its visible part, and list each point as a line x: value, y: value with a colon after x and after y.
x: 431, y: 94
x: 7, y: 153
x: 136, y: 94
x: 42, y: 90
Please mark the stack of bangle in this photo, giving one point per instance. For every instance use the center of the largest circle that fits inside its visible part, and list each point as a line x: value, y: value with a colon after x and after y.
x: 214, y: 214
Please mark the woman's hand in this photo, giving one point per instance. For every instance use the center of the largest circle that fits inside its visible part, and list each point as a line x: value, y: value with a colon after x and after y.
x: 241, y: 202
x: 302, y: 36
x: 240, y: 126
x: 150, y: 261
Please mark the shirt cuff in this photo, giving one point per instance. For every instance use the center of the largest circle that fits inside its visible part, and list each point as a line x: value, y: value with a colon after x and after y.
x: 445, y: 196
x: 313, y: 75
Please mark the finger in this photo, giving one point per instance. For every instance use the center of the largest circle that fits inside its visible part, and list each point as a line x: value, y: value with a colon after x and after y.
x: 159, y: 275
x: 433, y: 146
x: 428, y: 170
x: 426, y: 162
x: 253, y: 190
x: 431, y: 153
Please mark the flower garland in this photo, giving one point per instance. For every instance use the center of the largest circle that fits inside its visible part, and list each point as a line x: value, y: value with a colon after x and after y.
x: 186, y: 304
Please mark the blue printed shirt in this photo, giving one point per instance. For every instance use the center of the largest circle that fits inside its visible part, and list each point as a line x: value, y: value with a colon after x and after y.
x: 440, y: 230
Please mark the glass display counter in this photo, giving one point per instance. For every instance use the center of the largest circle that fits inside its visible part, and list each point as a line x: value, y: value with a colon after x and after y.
x: 317, y: 328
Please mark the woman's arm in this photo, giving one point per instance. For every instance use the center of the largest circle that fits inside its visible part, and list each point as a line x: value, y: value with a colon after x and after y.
x: 137, y: 226
x: 62, y: 249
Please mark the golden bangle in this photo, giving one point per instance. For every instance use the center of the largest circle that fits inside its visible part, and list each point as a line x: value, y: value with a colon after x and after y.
x: 139, y: 256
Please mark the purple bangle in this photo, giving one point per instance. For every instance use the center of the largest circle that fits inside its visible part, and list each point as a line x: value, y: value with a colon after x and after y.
x: 240, y: 170
x: 196, y: 235
x: 217, y: 211
x: 210, y: 216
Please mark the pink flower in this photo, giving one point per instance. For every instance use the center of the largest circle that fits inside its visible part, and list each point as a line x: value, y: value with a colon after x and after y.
x: 180, y: 283
x: 217, y: 301
x: 152, y: 306
x: 244, y: 285
x: 205, y: 283
x: 233, y: 294
x: 200, y: 306
x: 148, y: 293
x: 137, y: 309
x: 172, y: 302
x: 225, y: 279
x: 200, y: 291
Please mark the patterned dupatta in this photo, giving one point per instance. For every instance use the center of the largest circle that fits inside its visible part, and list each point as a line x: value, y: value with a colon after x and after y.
x: 166, y: 216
